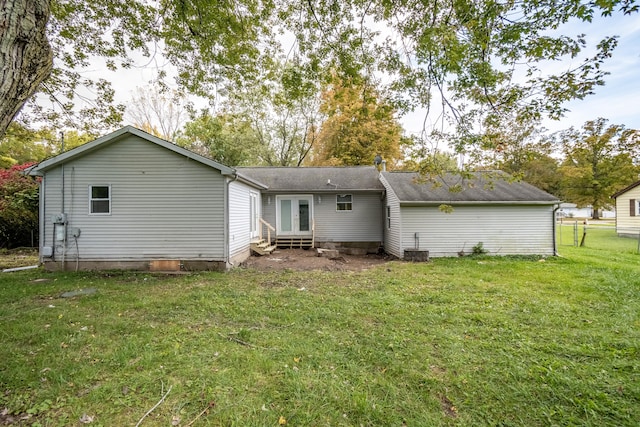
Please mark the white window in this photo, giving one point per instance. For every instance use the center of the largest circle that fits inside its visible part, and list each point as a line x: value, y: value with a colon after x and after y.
x: 344, y: 202
x: 100, y: 200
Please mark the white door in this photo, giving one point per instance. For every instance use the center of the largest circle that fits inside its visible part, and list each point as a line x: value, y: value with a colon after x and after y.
x: 254, y: 213
x: 294, y: 215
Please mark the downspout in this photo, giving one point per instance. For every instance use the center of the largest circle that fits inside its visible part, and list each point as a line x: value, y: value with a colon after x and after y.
x: 64, y: 241
x: 555, y: 231
x: 41, y: 220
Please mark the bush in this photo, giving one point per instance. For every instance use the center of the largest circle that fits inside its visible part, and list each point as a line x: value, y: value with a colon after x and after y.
x: 18, y: 207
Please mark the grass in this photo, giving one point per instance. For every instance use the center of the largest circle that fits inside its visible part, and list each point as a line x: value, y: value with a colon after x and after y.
x: 514, y: 341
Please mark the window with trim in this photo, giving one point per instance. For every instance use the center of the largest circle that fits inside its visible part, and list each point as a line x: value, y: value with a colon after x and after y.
x: 634, y: 206
x: 100, y: 200
x: 344, y: 202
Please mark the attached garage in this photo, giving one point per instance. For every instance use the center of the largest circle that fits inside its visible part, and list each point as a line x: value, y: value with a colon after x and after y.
x: 449, y: 216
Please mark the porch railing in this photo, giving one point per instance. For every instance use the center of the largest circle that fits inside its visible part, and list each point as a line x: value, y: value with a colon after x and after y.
x: 270, y: 227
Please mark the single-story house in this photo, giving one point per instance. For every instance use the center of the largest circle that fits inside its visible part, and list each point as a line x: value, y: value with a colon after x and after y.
x: 628, y: 210
x: 132, y: 200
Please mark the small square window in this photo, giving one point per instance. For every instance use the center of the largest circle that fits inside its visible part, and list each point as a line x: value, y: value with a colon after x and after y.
x: 100, y: 199
x: 344, y: 202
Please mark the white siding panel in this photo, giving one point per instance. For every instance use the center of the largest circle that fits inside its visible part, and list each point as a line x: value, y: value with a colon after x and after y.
x: 163, y: 205
x: 240, y: 218
x: 503, y: 230
x: 393, y: 231
x: 362, y: 224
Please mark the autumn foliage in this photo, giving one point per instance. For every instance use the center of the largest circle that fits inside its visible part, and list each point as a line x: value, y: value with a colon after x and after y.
x: 18, y: 207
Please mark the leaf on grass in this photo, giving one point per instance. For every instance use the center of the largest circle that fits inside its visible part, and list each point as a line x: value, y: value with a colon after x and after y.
x: 175, y: 420
x: 86, y: 419
x: 282, y: 421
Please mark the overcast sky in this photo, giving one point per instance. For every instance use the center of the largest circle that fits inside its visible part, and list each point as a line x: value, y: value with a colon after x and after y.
x: 618, y: 101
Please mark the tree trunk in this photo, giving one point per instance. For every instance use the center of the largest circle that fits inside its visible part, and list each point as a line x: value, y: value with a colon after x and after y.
x: 26, y: 58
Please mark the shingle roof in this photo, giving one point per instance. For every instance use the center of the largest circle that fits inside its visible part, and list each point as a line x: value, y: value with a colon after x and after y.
x: 481, y: 187
x: 315, y: 179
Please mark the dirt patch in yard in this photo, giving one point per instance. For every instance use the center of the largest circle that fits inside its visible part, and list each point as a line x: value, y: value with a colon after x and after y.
x: 20, y: 257
x: 306, y: 260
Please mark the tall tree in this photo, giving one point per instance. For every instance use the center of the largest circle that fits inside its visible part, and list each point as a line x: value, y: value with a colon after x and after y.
x: 599, y: 160
x: 23, y: 145
x: 209, y: 46
x: 226, y: 138
x: 159, y: 111
x: 466, y: 55
x: 521, y: 149
x: 360, y: 124
x: 284, y: 112
x: 479, y: 61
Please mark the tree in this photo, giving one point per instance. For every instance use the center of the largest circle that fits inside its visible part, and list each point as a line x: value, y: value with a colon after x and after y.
x: 360, y: 124
x: 599, y: 161
x: 22, y: 145
x: 521, y: 150
x: 159, y: 111
x: 226, y: 138
x: 26, y: 58
x: 482, y: 61
x: 478, y: 59
x: 209, y: 46
x: 18, y: 207
x: 284, y: 113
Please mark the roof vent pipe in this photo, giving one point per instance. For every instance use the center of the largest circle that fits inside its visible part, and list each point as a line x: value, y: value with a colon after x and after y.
x: 384, y: 166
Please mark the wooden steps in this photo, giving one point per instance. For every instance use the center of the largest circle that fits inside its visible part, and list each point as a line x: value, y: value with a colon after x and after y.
x: 294, y: 242
x: 262, y: 247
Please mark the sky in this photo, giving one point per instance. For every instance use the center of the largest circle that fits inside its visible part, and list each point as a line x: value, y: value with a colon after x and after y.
x: 618, y: 101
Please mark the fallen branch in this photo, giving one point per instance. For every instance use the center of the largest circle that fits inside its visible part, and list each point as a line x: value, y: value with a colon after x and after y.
x: 239, y: 341
x: 155, y: 406
x: 211, y: 405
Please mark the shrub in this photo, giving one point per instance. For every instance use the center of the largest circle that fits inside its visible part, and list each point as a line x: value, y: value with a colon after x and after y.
x: 479, y: 249
x: 18, y: 207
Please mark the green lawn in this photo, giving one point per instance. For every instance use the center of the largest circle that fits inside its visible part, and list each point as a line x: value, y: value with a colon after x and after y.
x: 455, y: 342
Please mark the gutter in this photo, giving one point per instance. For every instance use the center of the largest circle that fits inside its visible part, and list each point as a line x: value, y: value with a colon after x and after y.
x: 227, y: 231
x: 477, y: 203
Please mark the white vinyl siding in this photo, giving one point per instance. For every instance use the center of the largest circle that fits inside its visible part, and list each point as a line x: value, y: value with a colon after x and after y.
x: 626, y: 223
x: 240, y: 220
x: 363, y: 223
x: 392, y: 229
x: 502, y: 229
x: 163, y: 205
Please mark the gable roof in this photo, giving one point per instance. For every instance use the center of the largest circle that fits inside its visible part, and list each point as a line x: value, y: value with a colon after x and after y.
x: 482, y: 187
x: 624, y: 190
x: 105, y: 140
x: 315, y: 179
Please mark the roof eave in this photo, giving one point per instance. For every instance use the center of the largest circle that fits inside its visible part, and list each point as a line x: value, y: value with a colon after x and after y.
x: 478, y: 202
x: 624, y: 190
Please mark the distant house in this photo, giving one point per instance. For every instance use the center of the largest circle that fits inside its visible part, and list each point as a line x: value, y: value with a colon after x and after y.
x: 628, y: 210
x: 131, y: 200
x: 571, y: 210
